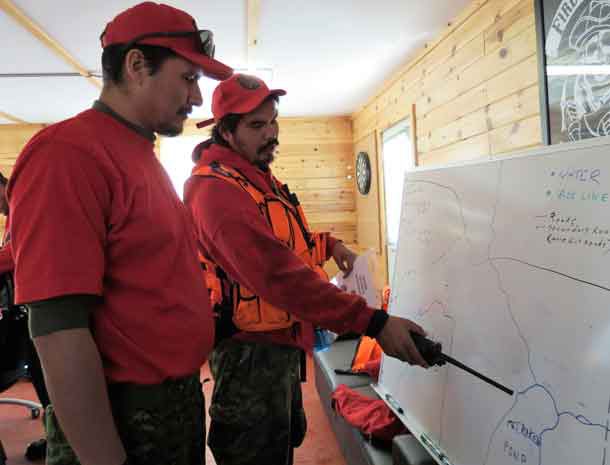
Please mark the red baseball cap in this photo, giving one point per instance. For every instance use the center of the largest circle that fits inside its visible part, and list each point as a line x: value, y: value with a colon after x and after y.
x: 239, y: 94
x: 157, y: 24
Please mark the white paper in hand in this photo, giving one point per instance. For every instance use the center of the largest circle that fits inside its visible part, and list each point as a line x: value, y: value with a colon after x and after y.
x: 361, y: 281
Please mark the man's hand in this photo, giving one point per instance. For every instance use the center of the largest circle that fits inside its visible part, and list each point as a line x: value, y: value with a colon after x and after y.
x: 344, y: 258
x: 396, y: 341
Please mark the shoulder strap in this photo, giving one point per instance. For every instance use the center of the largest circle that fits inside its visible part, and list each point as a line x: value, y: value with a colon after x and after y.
x: 235, y: 177
x: 230, y: 175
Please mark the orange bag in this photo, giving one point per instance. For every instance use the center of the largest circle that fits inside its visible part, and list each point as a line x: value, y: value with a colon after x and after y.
x: 368, y: 352
x: 371, y: 416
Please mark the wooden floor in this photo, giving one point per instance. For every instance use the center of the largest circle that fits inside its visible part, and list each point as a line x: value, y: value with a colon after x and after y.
x: 17, y: 429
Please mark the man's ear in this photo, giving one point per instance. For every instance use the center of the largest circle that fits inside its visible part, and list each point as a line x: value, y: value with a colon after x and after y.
x: 135, y: 67
x: 226, y: 135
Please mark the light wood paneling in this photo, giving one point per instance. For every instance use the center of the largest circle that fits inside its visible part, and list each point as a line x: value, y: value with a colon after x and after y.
x: 315, y: 159
x: 475, y: 90
x: 516, y: 20
x: 515, y: 107
x: 514, y: 52
x: 13, y: 138
x: 517, y: 135
x: 466, y: 150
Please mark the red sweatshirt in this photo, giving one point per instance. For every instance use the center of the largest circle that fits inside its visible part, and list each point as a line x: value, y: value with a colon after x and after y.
x: 234, y: 234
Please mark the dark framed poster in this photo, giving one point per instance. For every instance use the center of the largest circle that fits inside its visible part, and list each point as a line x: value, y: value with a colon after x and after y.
x: 574, y: 60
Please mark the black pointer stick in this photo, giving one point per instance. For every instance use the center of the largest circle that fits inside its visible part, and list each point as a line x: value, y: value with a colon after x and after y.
x: 432, y: 352
x: 453, y: 361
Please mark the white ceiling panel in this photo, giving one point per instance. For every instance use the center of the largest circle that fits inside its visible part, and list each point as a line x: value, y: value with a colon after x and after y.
x: 330, y: 55
x: 78, y: 25
x: 25, y: 53
x: 341, y: 52
x: 42, y: 100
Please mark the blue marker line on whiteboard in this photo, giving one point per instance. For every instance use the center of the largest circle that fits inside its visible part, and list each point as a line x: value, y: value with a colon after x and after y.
x: 439, y: 454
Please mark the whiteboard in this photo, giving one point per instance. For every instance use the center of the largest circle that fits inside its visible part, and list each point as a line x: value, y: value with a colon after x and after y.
x: 507, y: 263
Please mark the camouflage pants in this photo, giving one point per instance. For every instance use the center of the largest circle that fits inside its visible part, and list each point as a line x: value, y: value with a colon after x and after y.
x: 159, y: 424
x: 257, y: 409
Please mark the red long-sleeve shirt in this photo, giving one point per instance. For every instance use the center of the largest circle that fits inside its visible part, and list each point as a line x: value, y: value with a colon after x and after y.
x: 233, y: 233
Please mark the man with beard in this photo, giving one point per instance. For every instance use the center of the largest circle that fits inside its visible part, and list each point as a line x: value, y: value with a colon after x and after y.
x: 264, y: 273
x: 105, y: 257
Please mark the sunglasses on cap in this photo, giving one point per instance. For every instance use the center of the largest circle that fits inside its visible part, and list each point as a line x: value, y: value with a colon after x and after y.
x: 203, y: 37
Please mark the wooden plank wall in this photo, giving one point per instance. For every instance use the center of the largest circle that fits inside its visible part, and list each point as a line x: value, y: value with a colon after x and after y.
x: 475, y: 89
x: 13, y: 138
x: 315, y: 160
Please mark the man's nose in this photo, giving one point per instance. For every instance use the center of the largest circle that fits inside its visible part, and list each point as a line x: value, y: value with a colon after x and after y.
x: 195, y: 96
x: 271, y: 132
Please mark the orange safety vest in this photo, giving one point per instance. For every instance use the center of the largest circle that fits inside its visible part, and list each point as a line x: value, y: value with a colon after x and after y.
x: 285, y: 217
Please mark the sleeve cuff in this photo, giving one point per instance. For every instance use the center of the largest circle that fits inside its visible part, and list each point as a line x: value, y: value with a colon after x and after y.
x: 377, y: 323
x: 61, y: 313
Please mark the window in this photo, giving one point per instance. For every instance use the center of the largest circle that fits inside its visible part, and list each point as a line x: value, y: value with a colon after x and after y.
x: 176, y: 158
x: 397, y: 152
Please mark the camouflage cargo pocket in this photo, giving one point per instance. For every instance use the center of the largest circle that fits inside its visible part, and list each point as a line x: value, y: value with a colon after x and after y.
x: 59, y: 451
x: 240, y: 395
x: 256, y: 410
x: 162, y: 424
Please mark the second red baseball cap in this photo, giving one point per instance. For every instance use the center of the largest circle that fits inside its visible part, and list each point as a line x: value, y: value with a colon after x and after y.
x: 157, y: 24
x: 239, y: 94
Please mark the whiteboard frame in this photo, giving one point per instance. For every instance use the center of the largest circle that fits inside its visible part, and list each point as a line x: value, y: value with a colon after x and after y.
x: 413, y: 426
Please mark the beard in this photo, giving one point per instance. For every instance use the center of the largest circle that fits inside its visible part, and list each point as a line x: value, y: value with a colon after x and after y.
x: 263, y: 161
x: 266, y: 154
x: 171, y: 129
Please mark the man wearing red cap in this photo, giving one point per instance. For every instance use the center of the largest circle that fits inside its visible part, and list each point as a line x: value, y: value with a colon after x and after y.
x: 105, y: 255
x: 264, y: 272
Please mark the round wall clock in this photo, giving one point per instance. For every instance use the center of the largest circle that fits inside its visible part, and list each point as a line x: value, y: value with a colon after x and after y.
x: 363, y: 173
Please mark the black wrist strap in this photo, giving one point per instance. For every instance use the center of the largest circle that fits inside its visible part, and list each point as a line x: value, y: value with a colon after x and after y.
x: 377, y: 323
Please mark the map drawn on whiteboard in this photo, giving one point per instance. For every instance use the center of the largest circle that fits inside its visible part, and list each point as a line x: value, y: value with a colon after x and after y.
x: 507, y: 263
